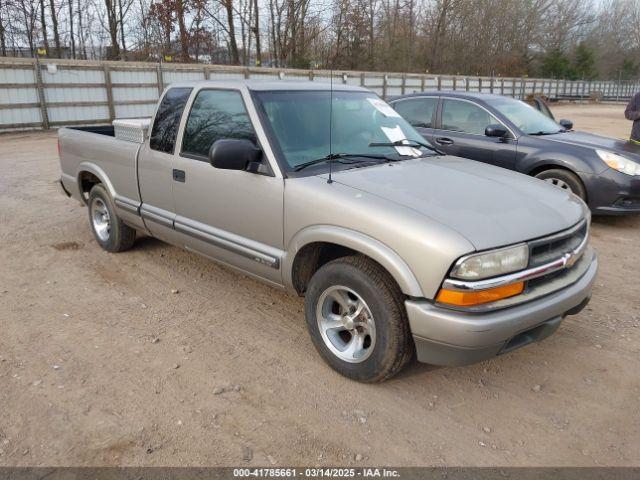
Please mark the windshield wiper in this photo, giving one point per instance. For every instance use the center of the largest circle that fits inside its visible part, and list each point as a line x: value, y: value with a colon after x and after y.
x: 342, y: 156
x: 541, y: 132
x: 407, y: 143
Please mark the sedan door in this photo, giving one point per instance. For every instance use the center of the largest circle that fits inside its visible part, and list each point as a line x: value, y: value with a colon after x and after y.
x: 420, y: 112
x: 461, y: 132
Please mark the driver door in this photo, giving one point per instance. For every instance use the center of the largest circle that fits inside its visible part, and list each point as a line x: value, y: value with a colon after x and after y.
x: 460, y: 132
x: 232, y: 216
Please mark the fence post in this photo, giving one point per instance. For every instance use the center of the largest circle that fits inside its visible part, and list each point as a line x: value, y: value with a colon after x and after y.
x: 207, y: 73
x: 384, y: 86
x: 109, y: 87
x: 502, y: 86
x: 362, y: 78
x: 513, y: 87
x: 40, y: 87
x: 422, y: 83
x: 466, y: 83
x: 455, y: 81
x: 439, y: 83
x: 160, y: 78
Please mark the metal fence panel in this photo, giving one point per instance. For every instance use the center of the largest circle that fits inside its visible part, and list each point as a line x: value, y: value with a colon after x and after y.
x: 51, y: 92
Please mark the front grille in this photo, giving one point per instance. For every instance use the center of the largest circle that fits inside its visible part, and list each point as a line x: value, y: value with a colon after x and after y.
x: 547, y: 249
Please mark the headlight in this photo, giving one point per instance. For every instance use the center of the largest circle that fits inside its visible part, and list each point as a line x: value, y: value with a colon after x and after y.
x: 620, y: 163
x: 490, y: 264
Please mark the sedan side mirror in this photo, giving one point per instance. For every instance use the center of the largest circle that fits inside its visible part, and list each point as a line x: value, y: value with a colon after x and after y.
x: 566, y: 124
x: 495, y: 130
x: 234, y: 154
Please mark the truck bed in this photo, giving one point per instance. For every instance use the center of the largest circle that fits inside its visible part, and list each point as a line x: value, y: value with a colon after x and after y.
x: 95, y: 150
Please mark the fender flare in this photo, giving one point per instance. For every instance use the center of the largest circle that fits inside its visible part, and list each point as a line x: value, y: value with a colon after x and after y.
x: 359, y: 242
x: 98, y: 172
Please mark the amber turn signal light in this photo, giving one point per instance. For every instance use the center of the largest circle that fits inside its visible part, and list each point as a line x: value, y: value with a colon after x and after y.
x: 466, y: 299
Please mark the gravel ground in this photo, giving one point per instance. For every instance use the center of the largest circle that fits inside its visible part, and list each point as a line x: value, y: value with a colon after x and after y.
x: 157, y: 357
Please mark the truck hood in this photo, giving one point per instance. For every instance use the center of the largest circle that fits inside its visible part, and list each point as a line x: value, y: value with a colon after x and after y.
x: 489, y: 206
x: 593, y: 141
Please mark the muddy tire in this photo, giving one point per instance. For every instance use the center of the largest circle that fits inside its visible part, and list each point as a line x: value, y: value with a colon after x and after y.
x: 108, y: 229
x: 357, y: 320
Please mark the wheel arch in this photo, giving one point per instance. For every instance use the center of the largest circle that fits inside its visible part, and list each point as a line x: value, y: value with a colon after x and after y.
x: 90, y: 174
x: 314, y: 246
x: 556, y: 166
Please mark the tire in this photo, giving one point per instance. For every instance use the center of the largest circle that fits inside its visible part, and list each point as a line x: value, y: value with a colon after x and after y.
x: 108, y: 229
x: 564, y: 179
x: 382, y: 318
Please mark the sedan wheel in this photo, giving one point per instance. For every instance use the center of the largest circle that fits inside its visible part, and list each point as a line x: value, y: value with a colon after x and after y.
x: 564, y: 179
x: 557, y: 182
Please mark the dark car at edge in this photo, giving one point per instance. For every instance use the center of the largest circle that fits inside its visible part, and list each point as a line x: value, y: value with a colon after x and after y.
x: 604, y: 172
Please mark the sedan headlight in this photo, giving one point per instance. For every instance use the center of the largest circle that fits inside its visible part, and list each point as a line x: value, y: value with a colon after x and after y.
x: 619, y: 163
x: 491, y: 264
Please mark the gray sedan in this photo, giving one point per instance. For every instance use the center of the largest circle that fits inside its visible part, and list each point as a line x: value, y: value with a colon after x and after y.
x: 604, y: 172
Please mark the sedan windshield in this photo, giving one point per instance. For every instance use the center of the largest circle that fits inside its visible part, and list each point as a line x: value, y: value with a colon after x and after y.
x: 304, y: 128
x: 525, y: 117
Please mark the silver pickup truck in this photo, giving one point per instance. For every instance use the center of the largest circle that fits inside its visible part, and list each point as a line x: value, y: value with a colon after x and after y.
x: 398, y: 249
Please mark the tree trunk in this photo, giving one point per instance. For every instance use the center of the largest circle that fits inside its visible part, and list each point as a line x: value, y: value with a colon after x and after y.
x: 3, y: 41
x: 43, y: 24
x: 233, y: 46
x: 121, y: 20
x: 113, y: 29
x: 72, y: 40
x: 184, y: 35
x: 54, y: 24
x: 83, y: 49
x: 256, y: 32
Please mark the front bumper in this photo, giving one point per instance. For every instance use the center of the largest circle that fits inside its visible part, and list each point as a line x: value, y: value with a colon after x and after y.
x: 613, y: 193
x: 448, y: 337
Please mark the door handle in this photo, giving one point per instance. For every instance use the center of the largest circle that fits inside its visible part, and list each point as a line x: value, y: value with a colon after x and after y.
x: 444, y: 141
x: 179, y: 175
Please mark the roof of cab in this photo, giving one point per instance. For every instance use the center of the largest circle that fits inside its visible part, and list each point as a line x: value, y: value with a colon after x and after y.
x: 270, y: 85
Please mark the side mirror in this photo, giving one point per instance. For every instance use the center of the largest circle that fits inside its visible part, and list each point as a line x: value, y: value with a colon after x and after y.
x: 495, y: 130
x: 233, y: 154
x: 566, y: 124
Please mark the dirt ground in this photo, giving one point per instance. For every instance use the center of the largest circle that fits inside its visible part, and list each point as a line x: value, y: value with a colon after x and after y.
x: 101, y: 364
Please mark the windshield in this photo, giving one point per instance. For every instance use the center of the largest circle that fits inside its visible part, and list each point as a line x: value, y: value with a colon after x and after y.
x: 300, y: 123
x: 525, y: 117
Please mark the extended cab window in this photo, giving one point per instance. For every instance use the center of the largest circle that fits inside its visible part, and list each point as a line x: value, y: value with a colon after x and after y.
x: 417, y: 111
x: 167, y: 121
x: 215, y: 114
x: 466, y: 117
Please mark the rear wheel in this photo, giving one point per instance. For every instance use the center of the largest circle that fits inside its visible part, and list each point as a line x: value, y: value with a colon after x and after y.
x: 109, y: 230
x: 565, y: 180
x: 356, y: 318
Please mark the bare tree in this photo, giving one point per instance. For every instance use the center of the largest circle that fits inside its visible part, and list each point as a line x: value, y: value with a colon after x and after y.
x: 54, y: 24
x: 43, y: 26
x: 112, y: 22
x: 3, y: 37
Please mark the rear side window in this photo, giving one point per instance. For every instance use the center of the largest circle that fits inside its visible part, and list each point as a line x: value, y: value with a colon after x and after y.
x: 167, y: 121
x: 417, y: 111
x: 215, y: 114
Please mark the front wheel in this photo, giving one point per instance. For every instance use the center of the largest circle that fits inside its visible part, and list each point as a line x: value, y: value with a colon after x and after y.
x: 111, y: 233
x: 565, y: 180
x: 356, y: 318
